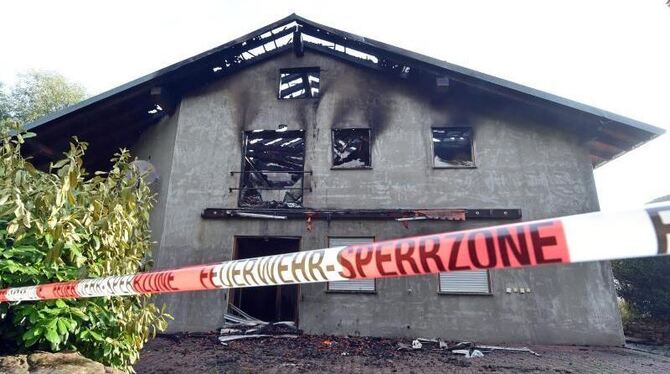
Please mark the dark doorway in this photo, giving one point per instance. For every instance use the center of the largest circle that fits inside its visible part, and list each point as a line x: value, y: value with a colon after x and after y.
x: 268, y: 303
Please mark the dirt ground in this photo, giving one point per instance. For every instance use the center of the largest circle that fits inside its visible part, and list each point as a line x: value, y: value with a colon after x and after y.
x: 203, y: 353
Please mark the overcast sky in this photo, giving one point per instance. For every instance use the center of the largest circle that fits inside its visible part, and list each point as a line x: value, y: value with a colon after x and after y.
x: 613, y: 54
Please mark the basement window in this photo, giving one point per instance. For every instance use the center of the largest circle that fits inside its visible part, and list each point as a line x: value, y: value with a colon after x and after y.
x: 475, y: 282
x: 452, y: 147
x: 299, y: 83
x: 272, y: 169
x: 351, y: 149
x: 351, y: 285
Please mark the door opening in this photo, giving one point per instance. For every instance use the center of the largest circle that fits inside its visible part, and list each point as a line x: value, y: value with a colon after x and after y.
x: 267, y: 303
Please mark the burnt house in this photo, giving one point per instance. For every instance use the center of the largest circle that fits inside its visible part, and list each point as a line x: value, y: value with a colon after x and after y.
x: 299, y: 136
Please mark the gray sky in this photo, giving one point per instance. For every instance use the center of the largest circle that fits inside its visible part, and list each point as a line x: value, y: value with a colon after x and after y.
x: 612, y: 54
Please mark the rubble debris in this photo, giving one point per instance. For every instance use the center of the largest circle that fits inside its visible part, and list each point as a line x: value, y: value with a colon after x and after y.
x: 509, y: 349
x: 230, y: 331
x: 475, y: 354
x: 228, y: 338
x: 203, y: 353
x: 440, y: 343
x: 244, y: 326
x: 468, y: 353
x: 403, y: 347
x: 285, y: 323
x: 463, y: 345
x: 416, y: 344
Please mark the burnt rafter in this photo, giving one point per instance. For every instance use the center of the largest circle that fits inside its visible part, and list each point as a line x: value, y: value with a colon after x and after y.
x: 298, y: 34
x: 298, y: 43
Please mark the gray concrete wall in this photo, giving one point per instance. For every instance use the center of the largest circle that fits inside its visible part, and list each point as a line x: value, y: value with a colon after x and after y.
x: 156, y: 145
x: 532, y: 166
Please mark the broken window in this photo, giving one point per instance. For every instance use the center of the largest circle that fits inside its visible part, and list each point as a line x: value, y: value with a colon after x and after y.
x: 272, y: 171
x: 351, y: 148
x: 299, y: 83
x: 465, y: 282
x: 351, y: 285
x: 452, y: 147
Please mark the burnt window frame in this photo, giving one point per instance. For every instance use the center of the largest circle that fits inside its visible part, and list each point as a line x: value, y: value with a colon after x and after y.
x: 332, y: 150
x: 297, y: 70
x: 244, y: 145
x: 473, y: 152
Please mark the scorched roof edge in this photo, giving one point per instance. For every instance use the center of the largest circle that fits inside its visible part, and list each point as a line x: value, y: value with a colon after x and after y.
x: 449, y: 68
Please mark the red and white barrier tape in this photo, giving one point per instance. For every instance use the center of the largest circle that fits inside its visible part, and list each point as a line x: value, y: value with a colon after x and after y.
x: 581, y: 238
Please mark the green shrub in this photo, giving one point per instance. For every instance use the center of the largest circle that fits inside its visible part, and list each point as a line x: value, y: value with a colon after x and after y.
x: 645, y: 285
x: 63, y: 224
x: 627, y: 315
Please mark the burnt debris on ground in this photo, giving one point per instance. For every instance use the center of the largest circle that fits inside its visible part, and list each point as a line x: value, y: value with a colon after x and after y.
x: 240, y: 325
x: 203, y: 352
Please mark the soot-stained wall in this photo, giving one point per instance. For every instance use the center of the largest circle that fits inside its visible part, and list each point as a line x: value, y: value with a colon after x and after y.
x: 521, y: 163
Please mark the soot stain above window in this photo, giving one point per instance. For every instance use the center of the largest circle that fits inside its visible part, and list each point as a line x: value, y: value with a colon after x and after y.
x: 452, y: 147
x: 299, y: 83
x: 351, y: 149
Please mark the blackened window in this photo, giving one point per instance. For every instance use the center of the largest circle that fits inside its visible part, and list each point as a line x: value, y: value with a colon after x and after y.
x: 351, y: 149
x: 272, y: 169
x: 452, y: 147
x: 299, y: 83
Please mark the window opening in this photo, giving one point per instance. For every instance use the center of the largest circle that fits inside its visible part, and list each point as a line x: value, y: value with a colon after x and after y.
x: 452, y: 147
x: 299, y: 83
x: 272, y: 169
x: 351, y: 149
x: 465, y: 282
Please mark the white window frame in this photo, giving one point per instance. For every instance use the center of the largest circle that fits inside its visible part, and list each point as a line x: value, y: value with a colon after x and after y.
x: 440, y: 291
x: 353, y: 240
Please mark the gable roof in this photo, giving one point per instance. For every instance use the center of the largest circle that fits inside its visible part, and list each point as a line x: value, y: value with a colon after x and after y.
x: 132, y: 106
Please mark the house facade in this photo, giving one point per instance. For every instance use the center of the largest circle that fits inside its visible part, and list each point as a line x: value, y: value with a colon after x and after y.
x: 298, y: 136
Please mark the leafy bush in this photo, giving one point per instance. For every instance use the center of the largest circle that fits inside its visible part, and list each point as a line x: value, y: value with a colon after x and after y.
x: 64, y: 225
x: 627, y: 315
x: 645, y: 285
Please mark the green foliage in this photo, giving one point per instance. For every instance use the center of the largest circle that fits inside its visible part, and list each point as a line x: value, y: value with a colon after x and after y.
x: 645, y: 285
x: 4, y: 104
x: 36, y: 94
x: 64, y: 225
x: 627, y: 315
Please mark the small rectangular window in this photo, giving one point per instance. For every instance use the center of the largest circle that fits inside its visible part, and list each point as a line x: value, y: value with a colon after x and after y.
x: 299, y: 83
x: 452, y: 147
x: 353, y: 285
x: 351, y: 149
x: 465, y: 282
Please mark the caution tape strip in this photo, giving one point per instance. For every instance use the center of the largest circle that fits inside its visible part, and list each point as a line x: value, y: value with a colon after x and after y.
x: 580, y: 238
